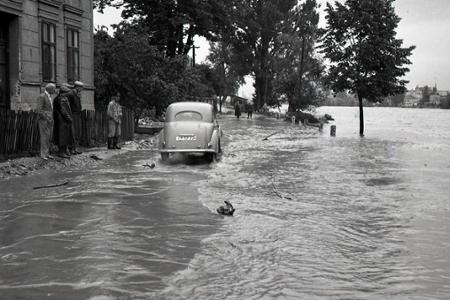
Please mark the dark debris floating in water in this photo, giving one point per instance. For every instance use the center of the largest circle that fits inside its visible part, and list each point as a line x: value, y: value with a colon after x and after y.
x: 227, y: 210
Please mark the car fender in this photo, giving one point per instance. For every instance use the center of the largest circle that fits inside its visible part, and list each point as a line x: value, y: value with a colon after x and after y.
x: 214, y: 142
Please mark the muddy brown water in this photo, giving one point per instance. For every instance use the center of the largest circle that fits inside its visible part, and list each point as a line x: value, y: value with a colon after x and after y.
x: 317, y: 217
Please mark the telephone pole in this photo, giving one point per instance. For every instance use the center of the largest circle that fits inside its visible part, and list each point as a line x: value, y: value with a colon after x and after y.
x: 193, y: 54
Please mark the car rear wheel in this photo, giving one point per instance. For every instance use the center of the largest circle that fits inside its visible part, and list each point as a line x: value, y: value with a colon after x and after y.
x: 164, y: 156
x: 210, y: 157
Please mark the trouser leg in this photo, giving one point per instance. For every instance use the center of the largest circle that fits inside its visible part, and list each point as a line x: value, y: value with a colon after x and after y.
x: 45, y: 129
x: 115, y: 143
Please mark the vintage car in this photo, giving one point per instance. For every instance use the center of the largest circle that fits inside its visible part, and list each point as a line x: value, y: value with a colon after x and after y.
x: 190, y: 128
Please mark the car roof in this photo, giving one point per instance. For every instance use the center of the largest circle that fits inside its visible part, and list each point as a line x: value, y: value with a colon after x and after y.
x: 205, y: 109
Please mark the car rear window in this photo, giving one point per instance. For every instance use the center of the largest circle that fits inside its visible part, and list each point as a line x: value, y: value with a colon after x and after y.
x: 188, y: 116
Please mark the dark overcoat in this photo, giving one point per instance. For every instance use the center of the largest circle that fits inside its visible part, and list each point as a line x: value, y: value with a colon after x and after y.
x: 237, y: 110
x: 62, y: 133
x: 74, y: 101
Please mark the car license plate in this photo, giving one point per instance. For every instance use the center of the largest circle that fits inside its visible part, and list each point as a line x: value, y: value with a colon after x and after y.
x: 186, y: 137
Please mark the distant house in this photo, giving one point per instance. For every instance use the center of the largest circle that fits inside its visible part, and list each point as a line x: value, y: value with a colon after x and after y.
x: 435, y: 99
x: 44, y: 41
x: 416, y: 97
x: 241, y: 100
x: 413, y: 97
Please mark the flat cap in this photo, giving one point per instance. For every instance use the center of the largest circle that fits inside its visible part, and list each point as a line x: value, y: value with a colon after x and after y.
x: 66, y: 85
x: 64, y: 89
x: 78, y: 83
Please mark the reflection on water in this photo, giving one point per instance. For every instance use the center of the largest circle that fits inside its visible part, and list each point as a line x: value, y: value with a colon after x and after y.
x: 316, y: 218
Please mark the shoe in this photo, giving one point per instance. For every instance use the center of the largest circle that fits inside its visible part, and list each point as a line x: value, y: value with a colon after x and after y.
x: 115, y: 146
x: 63, y: 155
x: 110, y: 143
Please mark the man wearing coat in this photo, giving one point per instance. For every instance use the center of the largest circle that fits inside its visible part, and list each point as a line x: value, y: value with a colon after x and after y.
x: 45, y: 110
x: 114, y: 113
x: 62, y: 115
x: 237, y: 109
x: 75, y: 105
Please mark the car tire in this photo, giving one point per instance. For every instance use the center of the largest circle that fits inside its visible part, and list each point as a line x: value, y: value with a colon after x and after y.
x: 210, y: 157
x: 164, y: 156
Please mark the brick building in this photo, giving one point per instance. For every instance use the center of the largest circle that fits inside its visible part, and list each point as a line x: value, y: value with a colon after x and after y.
x: 44, y: 41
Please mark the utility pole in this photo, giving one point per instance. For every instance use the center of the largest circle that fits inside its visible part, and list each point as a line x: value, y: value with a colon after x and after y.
x: 193, y: 54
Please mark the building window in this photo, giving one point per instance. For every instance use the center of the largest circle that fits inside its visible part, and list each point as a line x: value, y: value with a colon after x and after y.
x: 73, y: 55
x: 48, y: 52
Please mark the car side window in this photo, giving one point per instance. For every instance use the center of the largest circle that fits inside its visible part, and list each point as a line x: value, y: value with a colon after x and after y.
x: 188, y: 116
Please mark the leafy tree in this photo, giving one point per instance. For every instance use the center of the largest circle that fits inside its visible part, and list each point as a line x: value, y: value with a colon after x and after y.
x: 298, y: 75
x: 366, y: 57
x: 397, y: 100
x: 253, y: 31
x: 102, y: 68
x: 201, y: 82
x: 172, y: 24
x: 446, y: 102
x: 145, y: 77
x: 227, y: 74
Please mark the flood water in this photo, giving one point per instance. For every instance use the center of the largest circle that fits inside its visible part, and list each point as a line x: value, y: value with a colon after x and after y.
x: 317, y: 217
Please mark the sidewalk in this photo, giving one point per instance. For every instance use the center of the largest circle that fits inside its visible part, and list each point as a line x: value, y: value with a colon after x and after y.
x: 91, y: 156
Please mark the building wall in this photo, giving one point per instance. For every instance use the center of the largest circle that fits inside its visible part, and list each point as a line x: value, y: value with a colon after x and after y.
x: 25, y: 67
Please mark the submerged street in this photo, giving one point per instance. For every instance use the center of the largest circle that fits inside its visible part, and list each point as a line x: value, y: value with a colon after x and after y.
x: 316, y: 217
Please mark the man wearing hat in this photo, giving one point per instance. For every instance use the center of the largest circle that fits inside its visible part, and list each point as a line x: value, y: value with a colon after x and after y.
x: 114, y: 113
x: 75, y: 105
x: 45, y: 110
x: 62, y: 115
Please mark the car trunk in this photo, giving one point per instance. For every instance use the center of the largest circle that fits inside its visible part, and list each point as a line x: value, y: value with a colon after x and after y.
x: 187, y: 136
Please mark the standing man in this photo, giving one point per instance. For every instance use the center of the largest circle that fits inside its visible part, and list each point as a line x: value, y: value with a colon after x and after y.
x: 249, y: 110
x: 237, y: 109
x: 114, y: 113
x: 45, y: 110
x: 75, y: 105
x: 62, y: 115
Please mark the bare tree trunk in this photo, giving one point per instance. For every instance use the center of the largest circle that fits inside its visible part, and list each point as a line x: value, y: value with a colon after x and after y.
x: 302, y: 68
x: 361, y: 116
x: 294, y: 104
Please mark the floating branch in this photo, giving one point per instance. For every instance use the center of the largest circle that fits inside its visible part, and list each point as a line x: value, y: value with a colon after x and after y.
x: 265, y: 139
x: 50, y: 186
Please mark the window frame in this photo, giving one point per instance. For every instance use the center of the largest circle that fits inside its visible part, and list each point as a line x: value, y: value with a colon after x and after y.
x: 49, y: 71
x: 72, y: 54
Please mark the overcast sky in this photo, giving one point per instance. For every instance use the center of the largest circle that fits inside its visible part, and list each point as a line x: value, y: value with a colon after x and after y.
x: 425, y: 24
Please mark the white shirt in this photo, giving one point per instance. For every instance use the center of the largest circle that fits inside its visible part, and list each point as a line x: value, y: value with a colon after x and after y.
x: 49, y: 98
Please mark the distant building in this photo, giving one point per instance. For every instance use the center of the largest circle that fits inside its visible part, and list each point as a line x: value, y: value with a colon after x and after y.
x: 241, y: 100
x: 44, y: 41
x: 435, y: 99
x: 413, y: 97
x: 416, y: 97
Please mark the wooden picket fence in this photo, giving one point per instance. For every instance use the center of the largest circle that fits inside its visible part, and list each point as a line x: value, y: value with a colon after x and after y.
x: 19, y: 133
x: 94, y: 127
